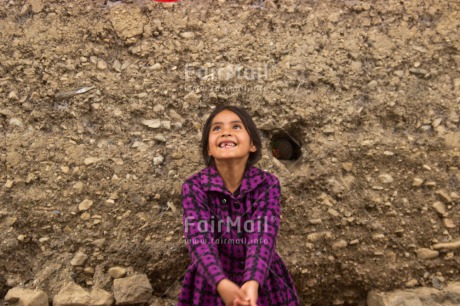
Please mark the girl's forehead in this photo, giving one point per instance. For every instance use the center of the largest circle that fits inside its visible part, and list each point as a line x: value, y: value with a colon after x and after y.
x: 226, y: 115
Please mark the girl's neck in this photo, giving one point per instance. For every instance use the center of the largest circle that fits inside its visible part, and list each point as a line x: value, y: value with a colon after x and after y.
x: 231, y: 173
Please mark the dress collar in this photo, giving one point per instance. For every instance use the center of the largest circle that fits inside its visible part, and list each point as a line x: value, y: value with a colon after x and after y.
x: 211, y: 180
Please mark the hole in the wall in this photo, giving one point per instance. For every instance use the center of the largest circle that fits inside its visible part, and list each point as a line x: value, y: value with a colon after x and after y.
x: 284, y: 146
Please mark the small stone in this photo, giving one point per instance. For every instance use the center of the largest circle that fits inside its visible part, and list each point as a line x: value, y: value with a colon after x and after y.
x: 88, y: 270
x: 347, y: 166
x: 152, y: 123
x: 157, y: 160
x: 315, y: 221
x: 328, y: 130
x: 65, y: 169
x: 388, y: 153
x: 385, y: 178
x: 117, y: 272
x: 448, y: 223
x: 354, y: 241
x: 444, y: 195
x: 132, y: 290
x: 378, y: 236
x: 91, y: 160
x: 85, y: 205
x: 13, y: 96
x: 436, y: 122
x: 156, y: 66
x: 417, y: 182
x: 424, y: 253
x: 192, y: 97
x: 454, y: 195
x: 426, y: 167
x: 340, y: 244
x: 159, y: 137
x: 79, y: 259
x: 21, y: 237
x: 9, y: 183
x: 440, y: 208
x: 187, y: 35
x: 447, y: 245
x: 372, y: 84
x: 101, y: 65
x: 412, y: 283
x: 333, y: 212
x: 37, y: 6
x: 116, y: 66
x: 26, y: 297
x: 85, y: 216
x: 73, y: 295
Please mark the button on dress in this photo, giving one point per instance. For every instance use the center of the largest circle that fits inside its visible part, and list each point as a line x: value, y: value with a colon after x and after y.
x: 233, y: 235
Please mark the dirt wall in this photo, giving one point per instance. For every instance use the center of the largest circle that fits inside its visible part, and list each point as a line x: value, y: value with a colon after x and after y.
x: 370, y: 90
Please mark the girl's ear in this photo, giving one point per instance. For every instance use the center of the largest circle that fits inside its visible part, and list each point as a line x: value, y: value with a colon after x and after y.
x: 253, y: 148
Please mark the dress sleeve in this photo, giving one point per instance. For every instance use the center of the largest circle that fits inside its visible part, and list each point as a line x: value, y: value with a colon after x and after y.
x: 197, y: 217
x: 261, y: 241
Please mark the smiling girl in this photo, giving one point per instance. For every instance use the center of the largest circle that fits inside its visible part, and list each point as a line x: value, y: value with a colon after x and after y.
x: 233, y: 264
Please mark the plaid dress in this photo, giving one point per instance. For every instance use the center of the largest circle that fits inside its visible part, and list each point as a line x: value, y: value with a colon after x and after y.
x: 233, y: 236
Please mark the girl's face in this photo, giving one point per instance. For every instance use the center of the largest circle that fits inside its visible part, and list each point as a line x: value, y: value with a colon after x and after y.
x: 228, y: 138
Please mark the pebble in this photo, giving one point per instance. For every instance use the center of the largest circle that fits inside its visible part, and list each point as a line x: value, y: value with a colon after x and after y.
x: 417, y: 182
x: 412, y: 283
x: 157, y: 160
x: 132, y: 290
x: 156, y: 66
x: 340, y: 244
x: 73, y: 294
x: 117, y: 272
x: 448, y: 245
x: 116, y: 66
x: 440, y: 208
x: 13, y: 96
x: 85, y: 216
x: 65, y: 169
x: 85, y: 205
x: 347, y: 166
x: 26, y: 297
x: 424, y: 253
x: 354, y: 241
x: 101, y: 65
x: 88, y: 270
x: 448, y: 223
x: 79, y: 259
x: 159, y: 137
x: 152, y: 123
x: 333, y: 212
x: 192, y: 97
x: 378, y: 236
x: 315, y: 221
x: 187, y: 35
x: 91, y: 160
x: 9, y: 183
x: 385, y: 178
x: 444, y: 195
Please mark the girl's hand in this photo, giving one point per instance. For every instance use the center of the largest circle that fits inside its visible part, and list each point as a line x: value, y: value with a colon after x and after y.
x: 251, y: 290
x: 231, y: 294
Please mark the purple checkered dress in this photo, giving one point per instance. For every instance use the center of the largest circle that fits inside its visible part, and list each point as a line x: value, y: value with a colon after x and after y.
x: 233, y: 236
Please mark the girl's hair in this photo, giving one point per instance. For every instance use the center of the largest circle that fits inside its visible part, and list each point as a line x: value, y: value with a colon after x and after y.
x: 248, y: 124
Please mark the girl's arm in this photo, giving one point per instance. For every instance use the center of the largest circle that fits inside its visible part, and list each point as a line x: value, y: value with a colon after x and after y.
x: 261, y: 243
x: 198, y: 235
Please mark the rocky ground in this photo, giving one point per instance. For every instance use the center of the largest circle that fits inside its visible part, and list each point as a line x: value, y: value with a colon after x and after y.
x: 101, y: 110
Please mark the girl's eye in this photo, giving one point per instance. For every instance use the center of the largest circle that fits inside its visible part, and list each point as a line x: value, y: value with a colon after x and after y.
x: 237, y: 125
x: 216, y: 127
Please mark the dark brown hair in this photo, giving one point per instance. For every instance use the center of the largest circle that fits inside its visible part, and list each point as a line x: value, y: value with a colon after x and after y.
x: 248, y: 124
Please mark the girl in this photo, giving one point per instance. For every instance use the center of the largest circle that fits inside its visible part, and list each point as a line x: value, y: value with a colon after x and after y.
x: 231, y: 215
